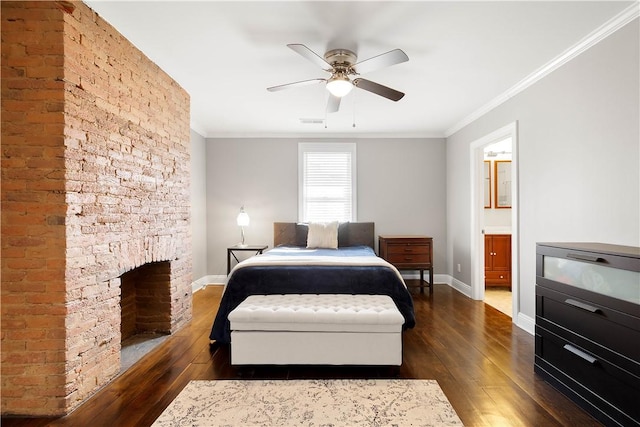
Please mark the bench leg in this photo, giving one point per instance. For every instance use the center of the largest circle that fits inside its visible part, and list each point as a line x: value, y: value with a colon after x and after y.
x: 393, y: 371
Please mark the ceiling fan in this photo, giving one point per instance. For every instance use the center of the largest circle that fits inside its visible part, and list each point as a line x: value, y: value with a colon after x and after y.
x: 341, y: 64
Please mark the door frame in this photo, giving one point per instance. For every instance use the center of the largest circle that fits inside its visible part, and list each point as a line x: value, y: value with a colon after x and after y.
x: 476, y: 153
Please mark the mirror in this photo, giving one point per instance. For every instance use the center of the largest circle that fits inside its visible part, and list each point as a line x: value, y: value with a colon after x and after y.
x: 487, y: 184
x: 503, y: 183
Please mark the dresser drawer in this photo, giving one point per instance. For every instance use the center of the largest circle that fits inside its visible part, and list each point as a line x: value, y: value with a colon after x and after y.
x: 409, y: 248
x: 619, y: 332
x: 497, y: 277
x: 409, y: 258
x: 588, y: 375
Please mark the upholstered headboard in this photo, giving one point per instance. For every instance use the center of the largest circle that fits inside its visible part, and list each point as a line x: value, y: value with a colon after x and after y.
x: 349, y: 234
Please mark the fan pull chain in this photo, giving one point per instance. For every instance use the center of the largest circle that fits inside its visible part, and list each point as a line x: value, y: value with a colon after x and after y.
x: 325, y: 118
x: 354, y: 110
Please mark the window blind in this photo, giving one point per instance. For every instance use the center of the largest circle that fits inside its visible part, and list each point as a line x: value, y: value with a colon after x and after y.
x: 327, y: 182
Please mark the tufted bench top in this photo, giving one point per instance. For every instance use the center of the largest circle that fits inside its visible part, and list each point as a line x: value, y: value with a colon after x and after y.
x: 317, y: 312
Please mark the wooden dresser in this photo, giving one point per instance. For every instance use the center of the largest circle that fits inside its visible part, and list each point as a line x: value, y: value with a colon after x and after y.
x: 587, y: 337
x: 409, y: 253
x: 497, y: 260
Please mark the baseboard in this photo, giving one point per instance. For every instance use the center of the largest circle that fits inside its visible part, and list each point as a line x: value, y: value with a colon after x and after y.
x: 437, y: 278
x: 219, y: 279
x: 456, y: 284
x: 207, y: 280
x: 526, y: 323
x: 461, y: 287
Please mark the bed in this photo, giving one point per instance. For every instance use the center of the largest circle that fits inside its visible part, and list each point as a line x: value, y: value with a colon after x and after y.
x: 291, y: 268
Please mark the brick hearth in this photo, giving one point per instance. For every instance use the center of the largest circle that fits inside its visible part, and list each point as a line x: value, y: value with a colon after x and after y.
x: 95, y: 182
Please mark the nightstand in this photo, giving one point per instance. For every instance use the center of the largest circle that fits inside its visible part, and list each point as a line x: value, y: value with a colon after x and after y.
x: 409, y: 253
x: 231, y: 250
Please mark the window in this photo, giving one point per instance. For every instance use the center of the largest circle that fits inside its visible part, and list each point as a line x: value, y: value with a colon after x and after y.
x: 326, y: 182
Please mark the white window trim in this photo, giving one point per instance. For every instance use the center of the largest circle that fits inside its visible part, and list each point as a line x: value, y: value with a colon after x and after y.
x: 328, y: 147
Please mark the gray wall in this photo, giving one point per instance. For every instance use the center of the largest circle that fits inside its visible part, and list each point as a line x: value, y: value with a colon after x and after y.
x: 578, y: 158
x: 198, y: 205
x: 578, y: 172
x: 401, y: 187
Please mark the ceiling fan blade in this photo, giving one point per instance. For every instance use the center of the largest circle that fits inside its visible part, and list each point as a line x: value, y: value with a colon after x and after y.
x: 295, y: 84
x: 378, y: 89
x: 395, y: 56
x: 310, y: 55
x: 333, y: 104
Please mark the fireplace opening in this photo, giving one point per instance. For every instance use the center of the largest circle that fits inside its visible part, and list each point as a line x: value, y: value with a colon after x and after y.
x: 145, y: 307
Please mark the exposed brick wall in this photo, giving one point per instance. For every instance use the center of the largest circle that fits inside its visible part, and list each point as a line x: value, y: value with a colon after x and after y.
x: 95, y: 182
x: 33, y: 209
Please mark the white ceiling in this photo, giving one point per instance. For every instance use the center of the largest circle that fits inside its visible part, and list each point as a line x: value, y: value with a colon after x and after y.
x: 462, y: 56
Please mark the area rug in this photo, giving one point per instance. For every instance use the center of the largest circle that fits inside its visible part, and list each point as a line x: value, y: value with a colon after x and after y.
x: 329, y: 403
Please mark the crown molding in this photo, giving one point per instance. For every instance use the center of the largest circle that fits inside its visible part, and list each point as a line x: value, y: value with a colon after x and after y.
x: 328, y: 135
x: 614, y: 24
x: 198, y: 129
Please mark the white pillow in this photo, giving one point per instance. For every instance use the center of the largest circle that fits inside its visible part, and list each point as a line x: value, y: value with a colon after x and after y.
x: 323, y: 235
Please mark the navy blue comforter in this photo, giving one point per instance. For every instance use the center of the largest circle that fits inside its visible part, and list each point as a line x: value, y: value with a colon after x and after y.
x: 311, y: 279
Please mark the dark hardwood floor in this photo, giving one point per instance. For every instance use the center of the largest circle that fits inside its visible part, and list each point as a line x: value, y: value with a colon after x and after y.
x: 483, y: 363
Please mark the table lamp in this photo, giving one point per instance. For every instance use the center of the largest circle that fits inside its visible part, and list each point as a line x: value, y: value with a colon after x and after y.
x: 243, y: 221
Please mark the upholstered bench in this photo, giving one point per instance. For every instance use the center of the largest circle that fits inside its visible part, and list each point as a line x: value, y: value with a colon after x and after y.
x: 324, y: 329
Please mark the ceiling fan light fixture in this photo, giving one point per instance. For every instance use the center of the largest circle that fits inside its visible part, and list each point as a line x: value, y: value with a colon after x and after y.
x: 339, y: 85
x: 342, y: 64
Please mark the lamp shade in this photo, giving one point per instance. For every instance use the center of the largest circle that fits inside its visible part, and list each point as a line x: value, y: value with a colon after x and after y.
x: 243, y: 218
x: 339, y: 85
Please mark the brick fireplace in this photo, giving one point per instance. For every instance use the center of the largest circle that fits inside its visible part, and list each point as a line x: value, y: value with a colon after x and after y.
x: 145, y: 300
x: 95, y: 184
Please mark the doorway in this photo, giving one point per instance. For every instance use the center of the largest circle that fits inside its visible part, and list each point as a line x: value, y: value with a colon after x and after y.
x: 502, y: 196
x: 497, y: 225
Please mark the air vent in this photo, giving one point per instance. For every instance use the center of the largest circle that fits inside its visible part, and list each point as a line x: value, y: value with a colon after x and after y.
x: 312, y: 121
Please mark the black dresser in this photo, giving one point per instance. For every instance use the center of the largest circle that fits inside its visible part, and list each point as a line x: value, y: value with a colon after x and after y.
x: 588, y: 326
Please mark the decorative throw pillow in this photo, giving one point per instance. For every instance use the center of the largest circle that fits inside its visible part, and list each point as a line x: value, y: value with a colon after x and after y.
x: 323, y: 235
